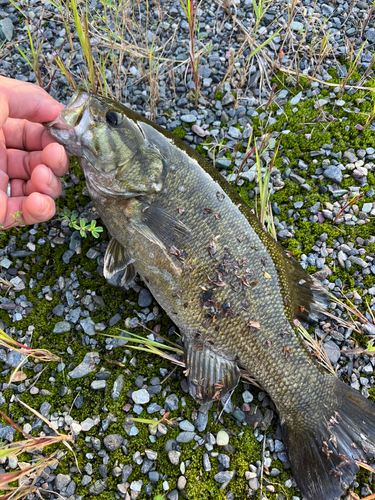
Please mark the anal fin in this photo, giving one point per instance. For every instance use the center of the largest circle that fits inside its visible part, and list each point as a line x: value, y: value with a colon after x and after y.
x: 210, y: 376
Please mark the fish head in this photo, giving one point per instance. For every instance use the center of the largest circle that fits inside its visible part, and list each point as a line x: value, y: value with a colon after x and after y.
x: 111, y: 148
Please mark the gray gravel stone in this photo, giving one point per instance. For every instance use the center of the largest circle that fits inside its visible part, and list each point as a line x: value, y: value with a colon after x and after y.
x: 185, y: 425
x: 189, y: 118
x: 113, y: 442
x: 153, y: 408
x: 126, y: 472
x: 88, y: 326
x: 144, y: 298
x: 172, y: 402
x: 87, y: 366
x: 7, y: 432
x: 333, y: 173
x: 97, y: 385
x: 173, y: 495
x: 14, y: 358
x: 206, y: 462
x: 234, y: 132
x: 224, y: 460
x: 296, y: 99
x: 200, y: 422
x: 62, y: 481
x: 224, y: 476
x: 332, y: 350
x: 153, y: 476
x: 45, y: 408
x: 86, y: 480
x: 62, y: 327
x: 117, y: 387
x: 185, y: 437
x: 174, y: 457
x: 141, y: 397
x: 136, y: 485
x: 228, y: 98
x: 6, y: 29
x: 98, y: 487
x: 350, y: 156
x: 370, y: 35
x: 115, y: 319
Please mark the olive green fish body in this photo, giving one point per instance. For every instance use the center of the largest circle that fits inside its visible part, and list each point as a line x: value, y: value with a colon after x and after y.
x: 232, y: 290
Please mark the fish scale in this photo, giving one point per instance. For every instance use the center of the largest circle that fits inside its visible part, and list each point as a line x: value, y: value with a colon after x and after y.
x: 234, y: 293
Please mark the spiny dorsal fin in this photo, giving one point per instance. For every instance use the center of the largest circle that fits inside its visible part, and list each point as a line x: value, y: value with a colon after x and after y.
x: 210, y: 376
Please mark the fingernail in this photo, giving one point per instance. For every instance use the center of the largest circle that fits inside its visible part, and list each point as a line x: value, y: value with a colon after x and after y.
x: 62, y: 155
x: 43, y: 205
x: 52, y: 181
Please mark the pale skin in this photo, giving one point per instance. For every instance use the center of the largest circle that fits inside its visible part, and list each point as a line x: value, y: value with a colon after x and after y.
x: 29, y: 157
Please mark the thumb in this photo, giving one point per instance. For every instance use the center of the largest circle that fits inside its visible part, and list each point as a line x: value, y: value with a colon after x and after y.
x: 4, y: 109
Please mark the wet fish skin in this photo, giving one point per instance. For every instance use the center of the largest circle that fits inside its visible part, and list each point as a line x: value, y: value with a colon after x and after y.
x: 231, y: 289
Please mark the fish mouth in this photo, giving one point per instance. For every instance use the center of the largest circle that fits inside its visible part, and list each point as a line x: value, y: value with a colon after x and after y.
x: 72, y: 123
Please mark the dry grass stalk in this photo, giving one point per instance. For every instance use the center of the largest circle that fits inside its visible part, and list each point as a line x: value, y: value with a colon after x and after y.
x: 316, y: 348
x: 38, y: 354
x: 26, y: 478
x: 28, y: 475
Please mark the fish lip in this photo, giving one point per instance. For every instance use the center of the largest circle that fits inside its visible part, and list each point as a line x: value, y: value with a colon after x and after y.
x: 64, y: 134
x: 71, y: 133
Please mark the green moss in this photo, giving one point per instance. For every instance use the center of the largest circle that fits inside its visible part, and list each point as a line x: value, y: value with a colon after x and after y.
x: 219, y: 95
x: 179, y: 132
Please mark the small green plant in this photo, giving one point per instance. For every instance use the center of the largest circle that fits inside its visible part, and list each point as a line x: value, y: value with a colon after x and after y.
x: 81, y: 225
x: 265, y: 213
x: 151, y: 346
x: 17, y: 220
x: 154, y: 423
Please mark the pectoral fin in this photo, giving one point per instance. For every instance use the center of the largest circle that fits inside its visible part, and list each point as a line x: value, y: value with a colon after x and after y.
x: 159, y: 226
x: 210, y: 376
x: 116, y: 259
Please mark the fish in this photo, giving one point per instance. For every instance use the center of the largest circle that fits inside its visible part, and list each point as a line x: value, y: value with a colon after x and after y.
x: 235, y: 294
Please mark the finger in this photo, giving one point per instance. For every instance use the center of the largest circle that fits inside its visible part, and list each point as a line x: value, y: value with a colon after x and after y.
x: 55, y: 157
x: 3, y: 182
x: 42, y: 181
x: 3, y: 153
x: 23, y: 134
x: 34, y: 208
x: 21, y: 163
x: 3, y: 206
x: 26, y: 100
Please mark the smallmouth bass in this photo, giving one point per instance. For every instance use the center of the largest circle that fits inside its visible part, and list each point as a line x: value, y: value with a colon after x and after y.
x: 233, y: 292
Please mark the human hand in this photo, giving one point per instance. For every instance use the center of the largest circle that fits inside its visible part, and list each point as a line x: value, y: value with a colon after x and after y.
x: 30, y: 160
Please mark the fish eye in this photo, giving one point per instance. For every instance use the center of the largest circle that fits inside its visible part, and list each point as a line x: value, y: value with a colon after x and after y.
x: 111, y: 118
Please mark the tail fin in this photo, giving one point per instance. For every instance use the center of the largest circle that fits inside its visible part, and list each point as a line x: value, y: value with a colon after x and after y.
x: 323, y: 457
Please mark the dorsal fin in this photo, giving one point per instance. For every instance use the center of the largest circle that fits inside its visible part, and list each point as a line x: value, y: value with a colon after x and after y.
x: 308, y: 299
